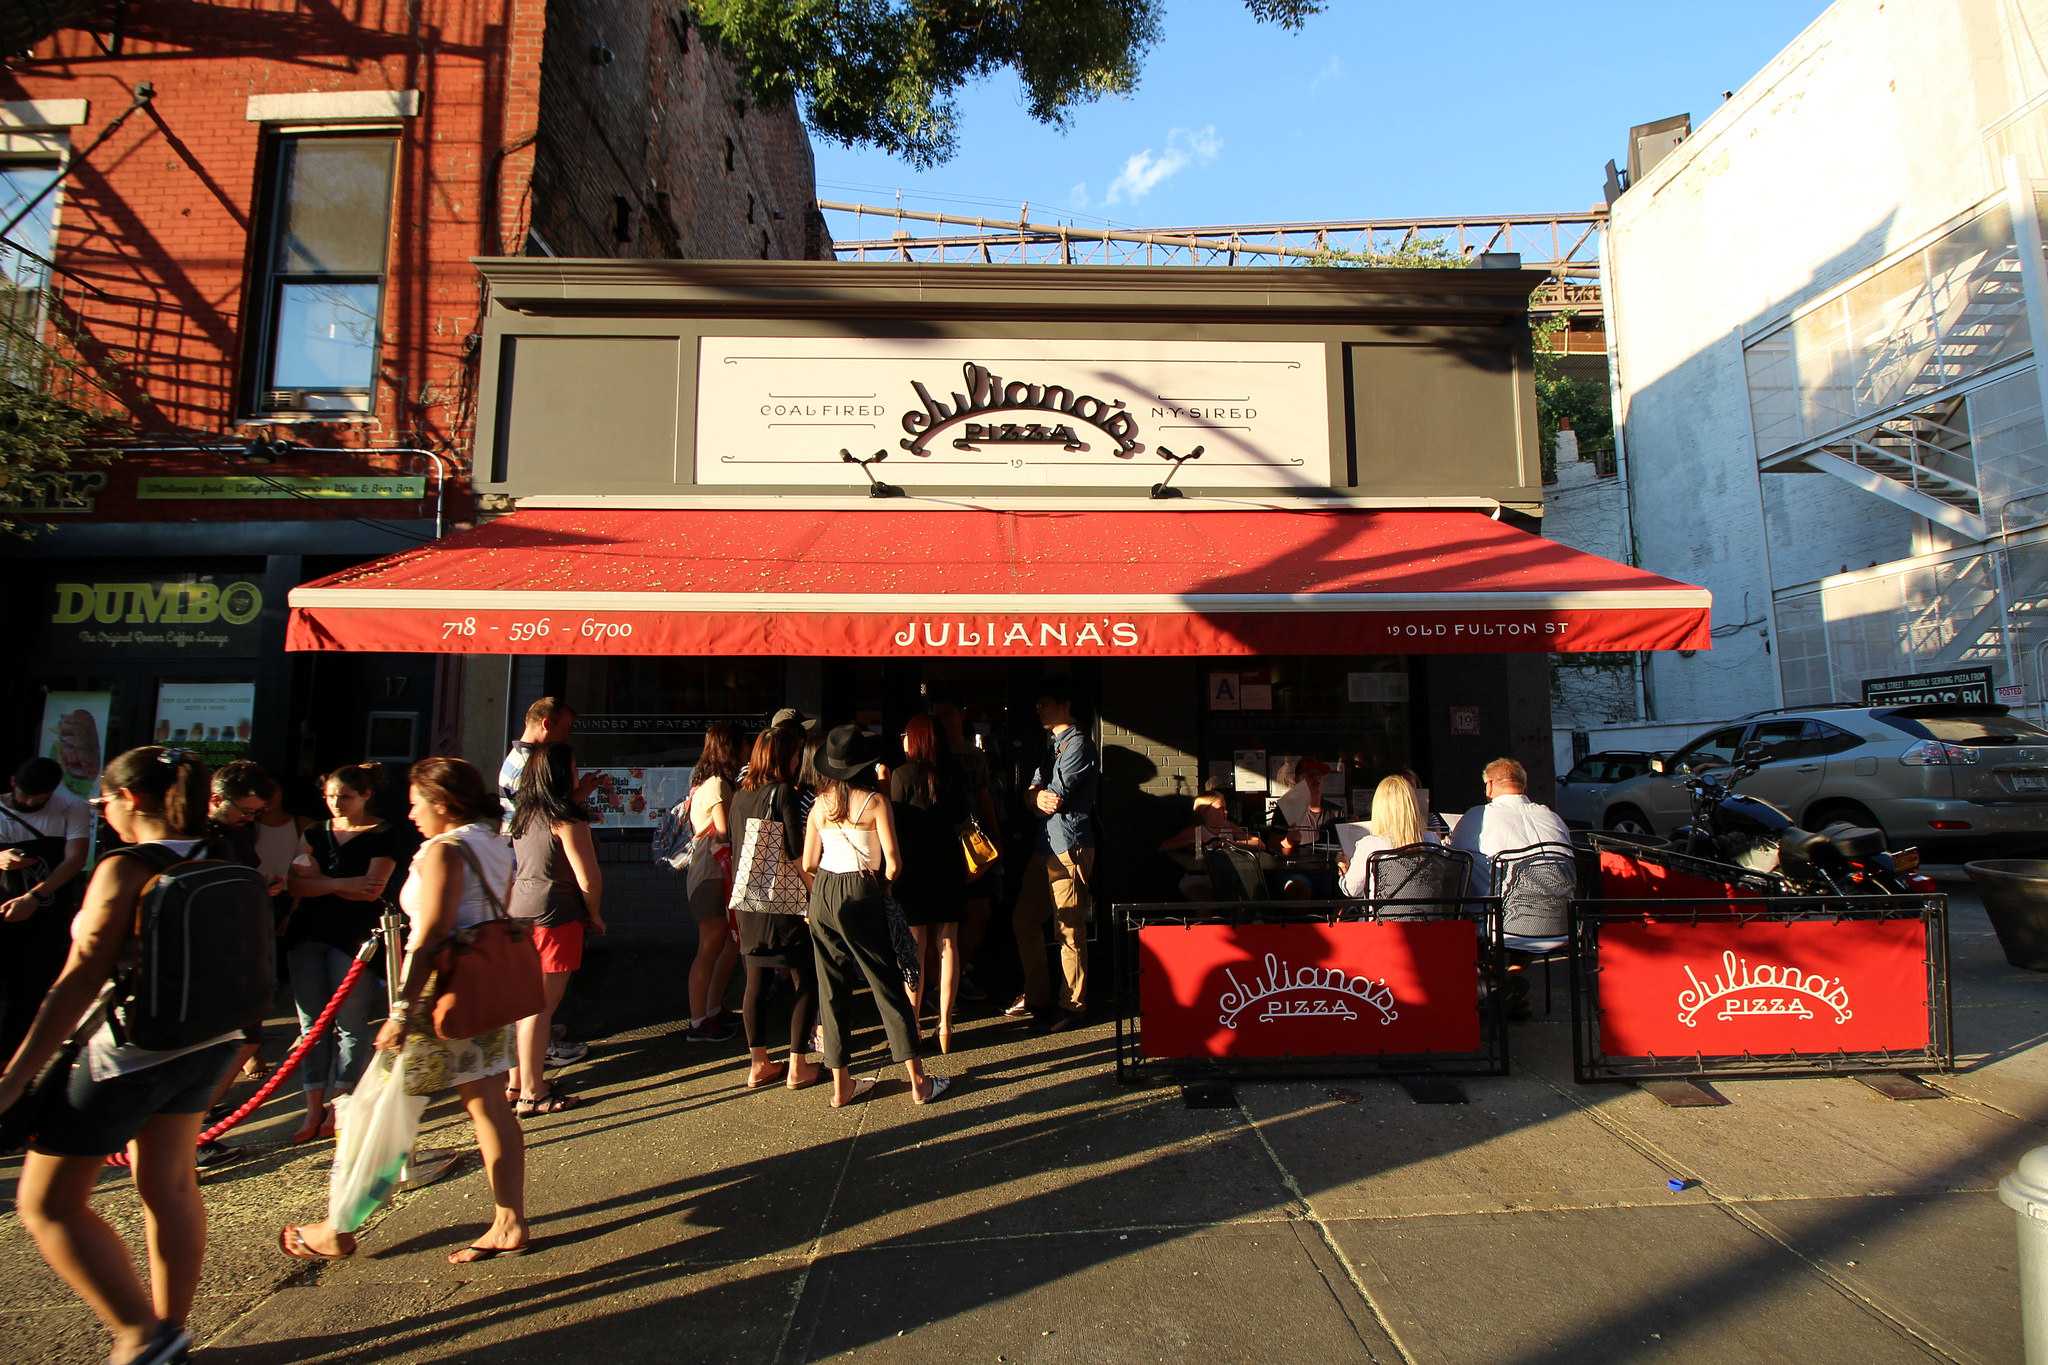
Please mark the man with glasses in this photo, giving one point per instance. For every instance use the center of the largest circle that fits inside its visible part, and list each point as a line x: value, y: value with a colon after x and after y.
x: 1506, y: 820
x: 44, y: 833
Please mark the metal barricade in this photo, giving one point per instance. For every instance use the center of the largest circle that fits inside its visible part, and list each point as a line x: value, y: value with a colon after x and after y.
x: 1750, y: 985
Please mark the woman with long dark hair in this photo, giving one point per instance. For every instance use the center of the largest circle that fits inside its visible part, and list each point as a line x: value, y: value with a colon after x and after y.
x: 707, y: 884
x: 775, y: 942
x: 930, y: 795
x: 342, y: 870
x: 460, y: 877
x: 850, y: 849
x: 120, y: 1096
x: 559, y: 890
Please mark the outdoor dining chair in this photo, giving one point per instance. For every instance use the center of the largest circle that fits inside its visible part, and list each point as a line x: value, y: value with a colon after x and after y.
x: 1536, y: 886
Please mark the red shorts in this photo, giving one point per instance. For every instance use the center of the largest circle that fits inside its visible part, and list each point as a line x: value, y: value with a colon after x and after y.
x: 561, y: 946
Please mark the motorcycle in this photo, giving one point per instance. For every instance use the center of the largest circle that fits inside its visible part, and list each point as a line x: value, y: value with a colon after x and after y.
x: 1751, y: 833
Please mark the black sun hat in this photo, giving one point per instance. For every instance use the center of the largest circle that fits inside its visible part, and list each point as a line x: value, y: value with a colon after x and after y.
x: 848, y: 752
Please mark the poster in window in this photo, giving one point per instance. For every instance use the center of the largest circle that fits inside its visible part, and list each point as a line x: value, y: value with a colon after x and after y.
x: 1223, y: 692
x: 212, y: 719
x: 634, y: 798
x: 1251, y: 770
x: 74, y: 734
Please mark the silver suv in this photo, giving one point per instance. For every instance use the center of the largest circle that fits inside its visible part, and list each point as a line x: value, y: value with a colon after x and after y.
x: 1956, y: 781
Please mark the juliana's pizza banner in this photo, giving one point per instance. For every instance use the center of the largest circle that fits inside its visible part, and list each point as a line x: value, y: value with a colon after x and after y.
x: 1725, y: 988
x: 1309, y: 990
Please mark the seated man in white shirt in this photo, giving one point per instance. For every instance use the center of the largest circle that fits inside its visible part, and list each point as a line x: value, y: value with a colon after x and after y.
x: 1506, y: 820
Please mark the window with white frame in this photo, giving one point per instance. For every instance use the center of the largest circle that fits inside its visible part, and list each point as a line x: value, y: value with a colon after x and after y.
x: 318, y: 295
x: 25, y: 255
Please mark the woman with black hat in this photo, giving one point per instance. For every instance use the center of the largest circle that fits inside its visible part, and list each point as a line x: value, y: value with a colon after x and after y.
x: 850, y: 847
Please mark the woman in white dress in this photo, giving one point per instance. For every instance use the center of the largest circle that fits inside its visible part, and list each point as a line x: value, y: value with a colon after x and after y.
x: 461, y: 876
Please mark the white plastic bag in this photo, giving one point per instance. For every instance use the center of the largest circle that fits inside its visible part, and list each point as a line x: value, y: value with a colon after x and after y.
x: 374, y: 1130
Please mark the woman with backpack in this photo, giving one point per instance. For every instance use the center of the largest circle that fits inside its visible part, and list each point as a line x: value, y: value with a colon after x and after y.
x: 559, y: 890
x: 344, y: 866
x: 707, y: 883
x: 460, y: 877
x: 119, y: 1095
x: 774, y: 940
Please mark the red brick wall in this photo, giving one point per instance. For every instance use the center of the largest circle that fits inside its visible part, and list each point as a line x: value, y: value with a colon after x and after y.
x: 517, y: 123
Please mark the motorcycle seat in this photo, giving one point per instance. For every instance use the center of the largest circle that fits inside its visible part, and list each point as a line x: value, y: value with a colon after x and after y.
x: 1854, y: 841
x: 1798, y: 846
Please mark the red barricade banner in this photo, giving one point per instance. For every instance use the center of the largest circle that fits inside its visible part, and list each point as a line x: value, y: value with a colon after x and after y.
x: 1403, y: 987
x: 1727, y: 987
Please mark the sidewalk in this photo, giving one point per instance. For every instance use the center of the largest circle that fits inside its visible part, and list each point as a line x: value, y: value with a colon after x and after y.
x: 1041, y: 1213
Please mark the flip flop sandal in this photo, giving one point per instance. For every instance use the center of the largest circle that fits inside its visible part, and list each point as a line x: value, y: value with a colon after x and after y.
x: 472, y: 1255
x: 935, y: 1086
x: 861, y: 1087
x: 792, y: 1083
x: 554, y: 1102
x: 775, y: 1076
x: 292, y: 1242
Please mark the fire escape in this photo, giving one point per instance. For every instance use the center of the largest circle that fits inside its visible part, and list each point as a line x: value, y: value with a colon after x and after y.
x: 1874, y: 384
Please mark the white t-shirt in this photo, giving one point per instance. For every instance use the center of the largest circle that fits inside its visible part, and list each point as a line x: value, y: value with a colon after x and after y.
x: 1504, y: 823
x: 64, y: 816
x: 709, y: 795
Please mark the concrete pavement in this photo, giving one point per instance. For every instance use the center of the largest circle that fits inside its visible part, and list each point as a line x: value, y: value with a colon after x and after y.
x: 1042, y: 1213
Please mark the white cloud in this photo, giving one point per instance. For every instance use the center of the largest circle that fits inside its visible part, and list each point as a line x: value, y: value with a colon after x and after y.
x: 1144, y: 171
x: 1331, y: 70
x: 1078, y: 196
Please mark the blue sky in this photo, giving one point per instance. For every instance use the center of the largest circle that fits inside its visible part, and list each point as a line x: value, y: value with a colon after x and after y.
x: 1375, y: 109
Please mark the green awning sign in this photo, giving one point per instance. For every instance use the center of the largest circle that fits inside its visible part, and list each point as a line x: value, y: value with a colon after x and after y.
x: 270, y: 487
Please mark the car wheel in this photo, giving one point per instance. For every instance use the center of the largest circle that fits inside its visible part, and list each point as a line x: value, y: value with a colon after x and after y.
x: 1629, y: 820
x: 1848, y: 812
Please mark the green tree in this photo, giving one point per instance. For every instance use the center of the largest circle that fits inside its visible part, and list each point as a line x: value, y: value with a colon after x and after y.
x: 51, y: 406
x: 885, y: 72
x: 1584, y: 402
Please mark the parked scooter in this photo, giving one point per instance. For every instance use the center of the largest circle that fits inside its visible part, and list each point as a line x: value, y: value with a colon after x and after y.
x: 1751, y: 833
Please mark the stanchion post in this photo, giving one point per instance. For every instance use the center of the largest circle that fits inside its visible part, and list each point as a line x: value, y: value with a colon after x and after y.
x: 392, y: 926
x: 2025, y: 1191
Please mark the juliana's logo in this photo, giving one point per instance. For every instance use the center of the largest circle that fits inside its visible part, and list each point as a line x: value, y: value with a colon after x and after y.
x: 1744, y: 990
x: 1303, y: 993
x: 988, y: 393
x: 1039, y: 635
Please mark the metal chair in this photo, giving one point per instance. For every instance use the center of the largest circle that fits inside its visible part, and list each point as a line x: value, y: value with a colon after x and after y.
x: 1234, y: 873
x: 1418, y: 872
x: 1536, y: 886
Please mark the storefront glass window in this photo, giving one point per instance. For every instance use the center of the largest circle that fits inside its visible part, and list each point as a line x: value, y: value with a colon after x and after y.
x: 652, y: 712
x: 1262, y: 717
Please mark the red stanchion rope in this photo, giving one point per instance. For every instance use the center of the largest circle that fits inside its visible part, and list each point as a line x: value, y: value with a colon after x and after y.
x: 284, y: 1068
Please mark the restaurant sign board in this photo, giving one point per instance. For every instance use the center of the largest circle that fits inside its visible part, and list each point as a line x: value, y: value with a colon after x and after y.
x: 1398, y: 988
x: 196, y: 614
x: 1966, y: 685
x: 1011, y: 413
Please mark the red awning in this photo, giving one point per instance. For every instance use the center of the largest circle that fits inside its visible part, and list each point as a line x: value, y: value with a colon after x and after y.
x: 966, y: 582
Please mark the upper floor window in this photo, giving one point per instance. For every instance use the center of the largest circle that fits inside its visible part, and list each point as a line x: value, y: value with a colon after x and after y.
x: 25, y: 255
x: 326, y: 228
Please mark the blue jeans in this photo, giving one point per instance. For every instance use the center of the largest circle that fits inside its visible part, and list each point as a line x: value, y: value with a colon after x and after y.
x: 336, y: 1062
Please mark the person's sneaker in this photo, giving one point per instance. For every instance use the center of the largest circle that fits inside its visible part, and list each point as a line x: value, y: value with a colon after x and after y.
x: 216, y: 1153
x: 567, y: 1053
x: 719, y: 1028
x: 1018, y: 1008
x: 1066, y: 1019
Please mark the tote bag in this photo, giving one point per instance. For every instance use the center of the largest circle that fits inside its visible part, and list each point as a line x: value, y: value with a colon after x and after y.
x: 765, y: 879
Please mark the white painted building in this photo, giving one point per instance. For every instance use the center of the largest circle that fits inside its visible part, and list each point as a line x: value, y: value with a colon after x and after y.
x: 1824, y: 311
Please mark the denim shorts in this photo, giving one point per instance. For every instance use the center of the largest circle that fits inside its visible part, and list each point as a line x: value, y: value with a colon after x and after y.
x: 96, y: 1118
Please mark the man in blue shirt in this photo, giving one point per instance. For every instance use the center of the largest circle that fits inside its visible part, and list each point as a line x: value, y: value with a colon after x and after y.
x: 1056, y: 880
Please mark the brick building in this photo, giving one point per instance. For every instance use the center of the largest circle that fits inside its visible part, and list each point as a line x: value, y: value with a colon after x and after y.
x: 258, y: 228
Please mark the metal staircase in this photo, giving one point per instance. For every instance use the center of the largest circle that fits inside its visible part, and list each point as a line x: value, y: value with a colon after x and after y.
x: 1919, y: 453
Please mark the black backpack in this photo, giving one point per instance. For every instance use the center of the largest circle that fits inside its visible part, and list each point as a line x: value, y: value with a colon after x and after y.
x: 203, y: 961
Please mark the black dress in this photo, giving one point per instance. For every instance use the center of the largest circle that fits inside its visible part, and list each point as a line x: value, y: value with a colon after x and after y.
x: 933, y: 883
x: 778, y: 940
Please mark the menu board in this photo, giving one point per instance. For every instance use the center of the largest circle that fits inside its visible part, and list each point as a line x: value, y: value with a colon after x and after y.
x: 214, y: 720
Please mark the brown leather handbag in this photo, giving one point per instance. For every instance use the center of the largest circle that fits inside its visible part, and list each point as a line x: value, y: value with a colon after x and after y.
x: 488, y: 975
